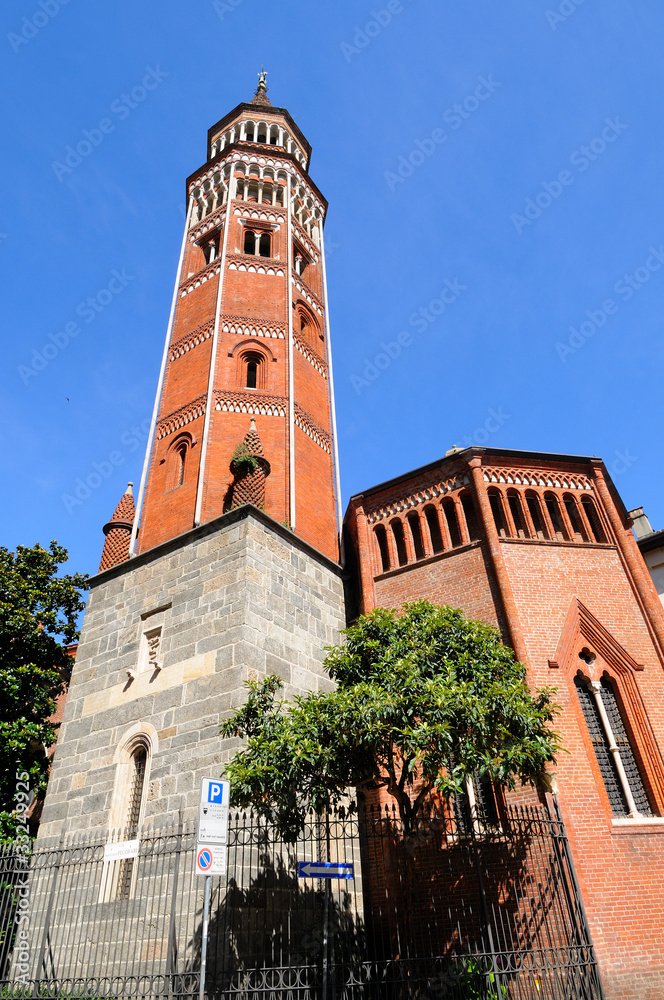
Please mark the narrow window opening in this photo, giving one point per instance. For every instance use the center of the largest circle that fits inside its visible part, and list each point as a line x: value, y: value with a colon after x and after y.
x: 627, y: 755
x: 449, y: 510
x: 516, y: 510
x: 397, y: 531
x: 575, y: 518
x: 431, y: 515
x: 181, y: 455
x: 249, y: 242
x: 262, y: 137
x: 496, y: 502
x: 471, y: 517
x: 137, y: 781
x: 381, y: 538
x: 535, y: 509
x: 416, y: 534
x: 593, y: 519
x: 250, y: 135
x: 553, y: 507
x: 252, y: 374
x: 264, y: 245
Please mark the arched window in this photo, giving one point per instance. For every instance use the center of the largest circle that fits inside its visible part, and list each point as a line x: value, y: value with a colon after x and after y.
x: 416, y: 534
x: 279, y: 200
x: 381, y: 538
x: 553, y: 508
x: 397, y: 531
x: 133, y: 758
x: 449, y: 510
x: 249, y: 242
x: 580, y: 533
x: 535, y: 510
x: 471, y: 517
x: 250, y: 133
x: 496, y: 503
x: 433, y: 523
x: 516, y: 510
x: 593, y: 518
x: 177, y: 464
x: 180, y: 458
x: 252, y: 192
x: 264, y: 245
x: 615, y: 755
x: 262, y: 137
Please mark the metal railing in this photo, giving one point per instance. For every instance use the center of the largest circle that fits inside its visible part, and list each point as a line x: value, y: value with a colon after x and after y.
x: 451, y: 909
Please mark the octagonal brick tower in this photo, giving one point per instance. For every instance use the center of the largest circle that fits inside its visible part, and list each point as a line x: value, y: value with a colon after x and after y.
x: 248, y: 338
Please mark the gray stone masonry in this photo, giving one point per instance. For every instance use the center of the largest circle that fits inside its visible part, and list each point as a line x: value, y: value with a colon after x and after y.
x: 236, y: 599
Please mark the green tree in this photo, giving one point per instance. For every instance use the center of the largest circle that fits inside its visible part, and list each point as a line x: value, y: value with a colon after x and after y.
x: 38, y: 617
x: 424, y: 699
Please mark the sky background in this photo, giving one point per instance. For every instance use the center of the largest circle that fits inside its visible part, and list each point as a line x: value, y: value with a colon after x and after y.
x: 499, y: 367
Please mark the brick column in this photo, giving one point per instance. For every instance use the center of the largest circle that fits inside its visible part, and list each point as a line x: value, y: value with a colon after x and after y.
x: 645, y: 588
x: 498, y: 563
x: 365, y: 554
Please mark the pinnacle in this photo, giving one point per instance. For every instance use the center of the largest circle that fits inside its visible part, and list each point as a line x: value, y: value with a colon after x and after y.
x: 253, y: 441
x: 260, y: 97
x: 125, y: 510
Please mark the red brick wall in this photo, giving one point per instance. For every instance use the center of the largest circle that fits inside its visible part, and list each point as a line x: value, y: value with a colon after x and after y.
x: 557, y: 597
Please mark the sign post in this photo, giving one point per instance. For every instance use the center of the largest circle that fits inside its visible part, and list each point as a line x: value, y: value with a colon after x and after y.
x: 211, y: 850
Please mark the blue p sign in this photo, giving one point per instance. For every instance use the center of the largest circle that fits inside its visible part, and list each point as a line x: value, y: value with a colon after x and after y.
x: 215, y: 792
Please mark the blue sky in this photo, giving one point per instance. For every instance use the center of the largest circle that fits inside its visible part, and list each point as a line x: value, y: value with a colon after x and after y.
x: 528, y: 136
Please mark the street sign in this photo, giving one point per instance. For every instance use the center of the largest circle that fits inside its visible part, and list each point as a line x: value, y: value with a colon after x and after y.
x: 211, y: 859
x: 213, y: 811
x: 122, y: 849
x: 326, y: 869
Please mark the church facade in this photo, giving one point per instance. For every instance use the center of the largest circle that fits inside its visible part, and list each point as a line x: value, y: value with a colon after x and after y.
x: 228, y: 567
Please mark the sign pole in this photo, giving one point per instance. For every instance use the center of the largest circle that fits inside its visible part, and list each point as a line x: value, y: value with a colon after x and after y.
x: 204, y: 938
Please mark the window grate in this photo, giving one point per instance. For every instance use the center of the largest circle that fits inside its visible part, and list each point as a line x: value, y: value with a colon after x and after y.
x: 138, y: 764
x: 600, y: 744
x: 627, y: 756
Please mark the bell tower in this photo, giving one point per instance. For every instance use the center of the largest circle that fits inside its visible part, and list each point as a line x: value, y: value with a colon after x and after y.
x: 247, y: 349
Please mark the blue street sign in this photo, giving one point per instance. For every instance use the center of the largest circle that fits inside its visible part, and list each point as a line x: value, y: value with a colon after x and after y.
x: 215, y: 792
x: 325, y: 869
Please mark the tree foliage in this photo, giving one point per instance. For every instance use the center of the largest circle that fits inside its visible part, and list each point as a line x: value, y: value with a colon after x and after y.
x: 424, y: 699
x: 38, y: 616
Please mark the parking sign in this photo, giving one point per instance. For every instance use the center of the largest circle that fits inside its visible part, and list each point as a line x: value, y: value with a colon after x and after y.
x: 213, y: 811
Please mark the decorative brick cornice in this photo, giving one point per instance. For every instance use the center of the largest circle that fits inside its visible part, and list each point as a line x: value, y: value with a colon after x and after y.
x: 306, y: 240
x: 240, y: 262
x: 531, y: 477
x: 307, y: 294
x: 422, y: 496
x: 203, y: 226
x: 180, y: 418
x: 310, y: 354
x: 312, y: 429
x: 232, y: 401
x: 254, y: 210
x: 200, y: 277
x: 193, y: 339
x: 244, y: 326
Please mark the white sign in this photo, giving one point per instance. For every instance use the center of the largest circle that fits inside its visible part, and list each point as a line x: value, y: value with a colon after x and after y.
x: 123, y: 849
x: 213, y: 811
x: 211, y: 859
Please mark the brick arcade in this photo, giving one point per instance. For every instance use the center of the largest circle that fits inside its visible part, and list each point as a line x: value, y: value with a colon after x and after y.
x: 227, y: 567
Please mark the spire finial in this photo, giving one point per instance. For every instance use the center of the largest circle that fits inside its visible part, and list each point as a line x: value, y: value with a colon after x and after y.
x: 260, y: 97
x: 252, y: 424
x: 262, y: 81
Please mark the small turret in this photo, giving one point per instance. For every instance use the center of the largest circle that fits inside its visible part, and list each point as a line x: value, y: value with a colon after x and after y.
x: 118, y: 531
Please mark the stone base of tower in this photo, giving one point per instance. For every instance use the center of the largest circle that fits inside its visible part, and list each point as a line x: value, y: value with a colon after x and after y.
x: 169, y: 639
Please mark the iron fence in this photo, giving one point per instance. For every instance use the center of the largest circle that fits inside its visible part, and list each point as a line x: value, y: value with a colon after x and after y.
x: 455, y: 908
